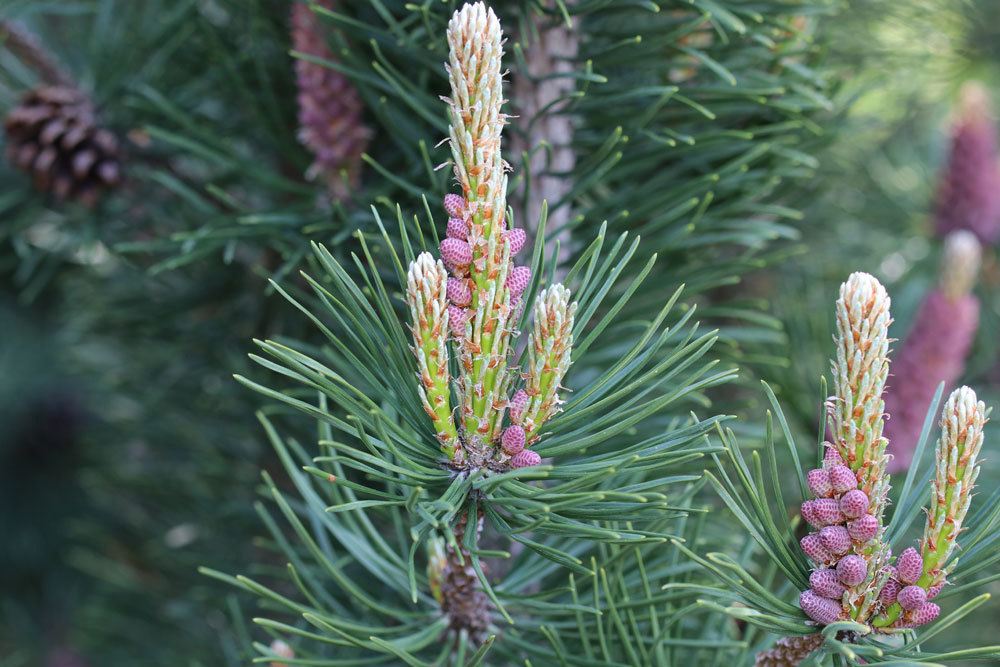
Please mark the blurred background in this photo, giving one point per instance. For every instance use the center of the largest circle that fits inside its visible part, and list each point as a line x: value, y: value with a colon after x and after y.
x: 159, y: 169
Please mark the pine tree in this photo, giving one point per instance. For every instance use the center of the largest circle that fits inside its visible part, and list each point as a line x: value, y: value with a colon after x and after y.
x: 691, y: 125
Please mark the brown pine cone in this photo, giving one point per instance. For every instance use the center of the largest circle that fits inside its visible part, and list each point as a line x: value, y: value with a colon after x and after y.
x: 53, y: 134
x: 461, y: 595
x: 789, y: 651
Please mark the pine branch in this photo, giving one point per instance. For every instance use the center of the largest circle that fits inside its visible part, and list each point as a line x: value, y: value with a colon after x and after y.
x: 16, y: 38
x: 855, y: 594
x: 425, y: 452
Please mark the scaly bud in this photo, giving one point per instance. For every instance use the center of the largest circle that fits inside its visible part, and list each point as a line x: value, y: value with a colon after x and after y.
x: 525, y: 459
x: 889, y: 591
x: 863, y: 528
x: 458, y: 318
x: 516, y: 238
x: 819, y: 482
x: 548, y: 355
x: 813, y: 547
x: 831, y: 457
x: 825, y: 582
x: 911, y: 597
x: 859, y: 373
x: 923, y: 615
x: 854, y: 504
x: 957, y: 467
x: 427, y: 299
x: 458, y: 292
x: 822, y: 610
x: 457, y: 229
x: 809, y: 514
x: 456, y: 253
x: 454, y: 206
x: 856, y: 419
x: 842, y: 478
x: 827, y: 511
x: 518, y: 280
x: 475, y: 49
x: 909, y: 565
x: 852, y: 570
x: 513, y: 440
x: 517, y: 405
x: 835, y: 539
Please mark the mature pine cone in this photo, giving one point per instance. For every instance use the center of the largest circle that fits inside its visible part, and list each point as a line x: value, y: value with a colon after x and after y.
x: 789, y: 651
x: 462, y: 597
x: 53, y: 135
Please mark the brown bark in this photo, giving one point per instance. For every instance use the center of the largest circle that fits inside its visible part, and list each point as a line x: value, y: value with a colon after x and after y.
x: 542, y: 128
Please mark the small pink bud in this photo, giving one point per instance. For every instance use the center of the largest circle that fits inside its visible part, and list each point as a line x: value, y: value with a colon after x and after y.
x: 457, y: 229
x: 824, y: 582
x: 863, y: 528
x: 819, y: 482
x: 516, y: 238
x: 518, y: 280
x: 827, y: 511
x: 835, y: 539
x: 454, y: 205
x: 456, y: 253
x: 517, y: 404
x: 820, y: 609
x: 459, y: 292
x: 813, y: 547
x: 809, y: 514
x: 910, y: 566
x: 911, y: 597
x: 889, y: 592
x: 830, y: 456
x: 854, y: 503
x: 525, y: 458
x: 513, y: 439
x: 924, y: 614
x: 457, y: 319
x: 935, y: 589
x: 842, y: 478
x: 852, y: 570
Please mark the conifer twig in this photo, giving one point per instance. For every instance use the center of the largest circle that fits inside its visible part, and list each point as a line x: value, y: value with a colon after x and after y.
x: 19, y: 41
x: 485, y: 290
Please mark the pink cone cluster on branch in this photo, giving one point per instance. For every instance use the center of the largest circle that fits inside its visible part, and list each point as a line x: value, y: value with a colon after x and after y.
x: 969, y: 193
x: 476, y: 292
x: 922, y: 574
x: 840, y: 514
x: 331, y: 126
x: 936, y: 347
x: 854, y: 577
